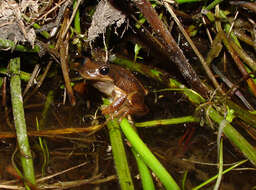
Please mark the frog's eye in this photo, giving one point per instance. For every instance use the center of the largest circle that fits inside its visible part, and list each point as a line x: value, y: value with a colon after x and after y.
x: 104, y: 70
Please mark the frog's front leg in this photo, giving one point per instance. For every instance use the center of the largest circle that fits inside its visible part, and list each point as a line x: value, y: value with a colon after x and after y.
x: 119, y: 98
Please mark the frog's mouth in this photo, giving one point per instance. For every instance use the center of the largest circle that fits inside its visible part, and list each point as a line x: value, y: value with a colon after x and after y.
x: 96, y: 76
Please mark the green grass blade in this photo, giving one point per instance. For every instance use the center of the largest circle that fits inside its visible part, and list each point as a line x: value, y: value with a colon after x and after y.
x: 119, y: 156
x: 145, y: 174
x: 19, y: 121
x: 148, y: 157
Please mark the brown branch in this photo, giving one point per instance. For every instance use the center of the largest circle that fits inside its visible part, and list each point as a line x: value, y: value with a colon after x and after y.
x: 238, y: 62
x: 63, y: 46
x: 54, y: 132
x: 175, y: 53
x: 196, y: 51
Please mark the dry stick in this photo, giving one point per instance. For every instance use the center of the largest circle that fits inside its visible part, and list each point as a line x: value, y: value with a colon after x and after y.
x: 216, y: 47
x: 243, y: 55
x: 96, y: 168
x: 40, y: 82
x: 32, y: 78
x: 6, y: 112
x: 63, y: 46
x: 232, y: 87
x: 46, y: 109
x: 55, y: 132
x: 58, y: 19
x: 70, y: 184
x: 207, y: 30
x: 245, y: 38
x: 45, y: 8
x: 71, y: 19
x: 150, y: 37
x: 58, y: 119
x: 213, y: 53
x: 64, y: 67
x: 205, y: 65
x: 238, y: 62
x: 234, y: 52
x: 40, y: 180
x: 233, y: 23
x: 51, y: 10
x: 248, y: 5
x: 4, y: 92
x: 175, y: 53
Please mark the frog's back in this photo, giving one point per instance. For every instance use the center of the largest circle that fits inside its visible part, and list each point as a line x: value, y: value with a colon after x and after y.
x: 125, y: 80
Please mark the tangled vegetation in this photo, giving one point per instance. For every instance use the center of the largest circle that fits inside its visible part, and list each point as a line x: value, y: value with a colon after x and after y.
x: 195, y: 58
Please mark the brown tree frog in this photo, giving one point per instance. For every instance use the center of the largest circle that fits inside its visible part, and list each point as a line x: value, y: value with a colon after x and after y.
x: 125, y: 90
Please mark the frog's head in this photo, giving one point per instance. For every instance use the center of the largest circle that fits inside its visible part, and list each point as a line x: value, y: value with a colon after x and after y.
x: 93, y: 70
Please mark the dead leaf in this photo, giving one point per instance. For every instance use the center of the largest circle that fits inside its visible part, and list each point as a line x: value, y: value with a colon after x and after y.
x: 104, y: 16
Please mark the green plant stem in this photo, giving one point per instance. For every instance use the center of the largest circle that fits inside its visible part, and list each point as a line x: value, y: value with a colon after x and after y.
x: 215, y: 50
x: 43, y: 146
x: 186, y: 1
x: 158, y: 75
x: 41, y: 125
x: 48, y: 102
x: 184, y: 179
x: 119, y: 156
x: 77, y: 19
x: 173, y: 121
x: 217, y: 184
x: 227, y: 28
x: 215, y: 177
x: 235, y: 137
x: 23, y: 75
x: 45, y: 34
x: 145, y: 175
x: 243, y: 37
x: 213, y: 4
x: 165, y: 79
x: 8, y: 44
x: 148, y: 157
x: 37, y: 26
x: 19, y: 121
x: 243, y: 114
x: 243, y: 55
x: 77, y: 25
x: 233, y: 48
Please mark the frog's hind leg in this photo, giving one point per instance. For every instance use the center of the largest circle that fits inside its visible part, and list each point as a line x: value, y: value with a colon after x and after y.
x: 115, y: 105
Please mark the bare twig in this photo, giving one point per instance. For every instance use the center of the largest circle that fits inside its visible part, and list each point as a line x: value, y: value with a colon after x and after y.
x: 32, y: 78
x: 39, y: 83
x: 199, y: 55
x: 6, y: 111
x: 64, y: 67
x: 232, y: 87
x: 71, y: 19
x: 57, y: 21
x: 175, y: 53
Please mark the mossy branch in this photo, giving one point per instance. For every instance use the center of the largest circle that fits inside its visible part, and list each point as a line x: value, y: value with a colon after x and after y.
x: 19, y: 121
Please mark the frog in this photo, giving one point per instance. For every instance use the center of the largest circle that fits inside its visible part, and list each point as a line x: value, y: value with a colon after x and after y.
x: 119, y: 84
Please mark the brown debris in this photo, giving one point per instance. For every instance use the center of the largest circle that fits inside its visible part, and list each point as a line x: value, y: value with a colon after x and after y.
x: 12, y: 25
x: 104, y: 16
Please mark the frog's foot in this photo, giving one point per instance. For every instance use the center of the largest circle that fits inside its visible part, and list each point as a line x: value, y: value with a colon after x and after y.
x: 107, y: 110
x: 123, y: 112
x: 115, y: 105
